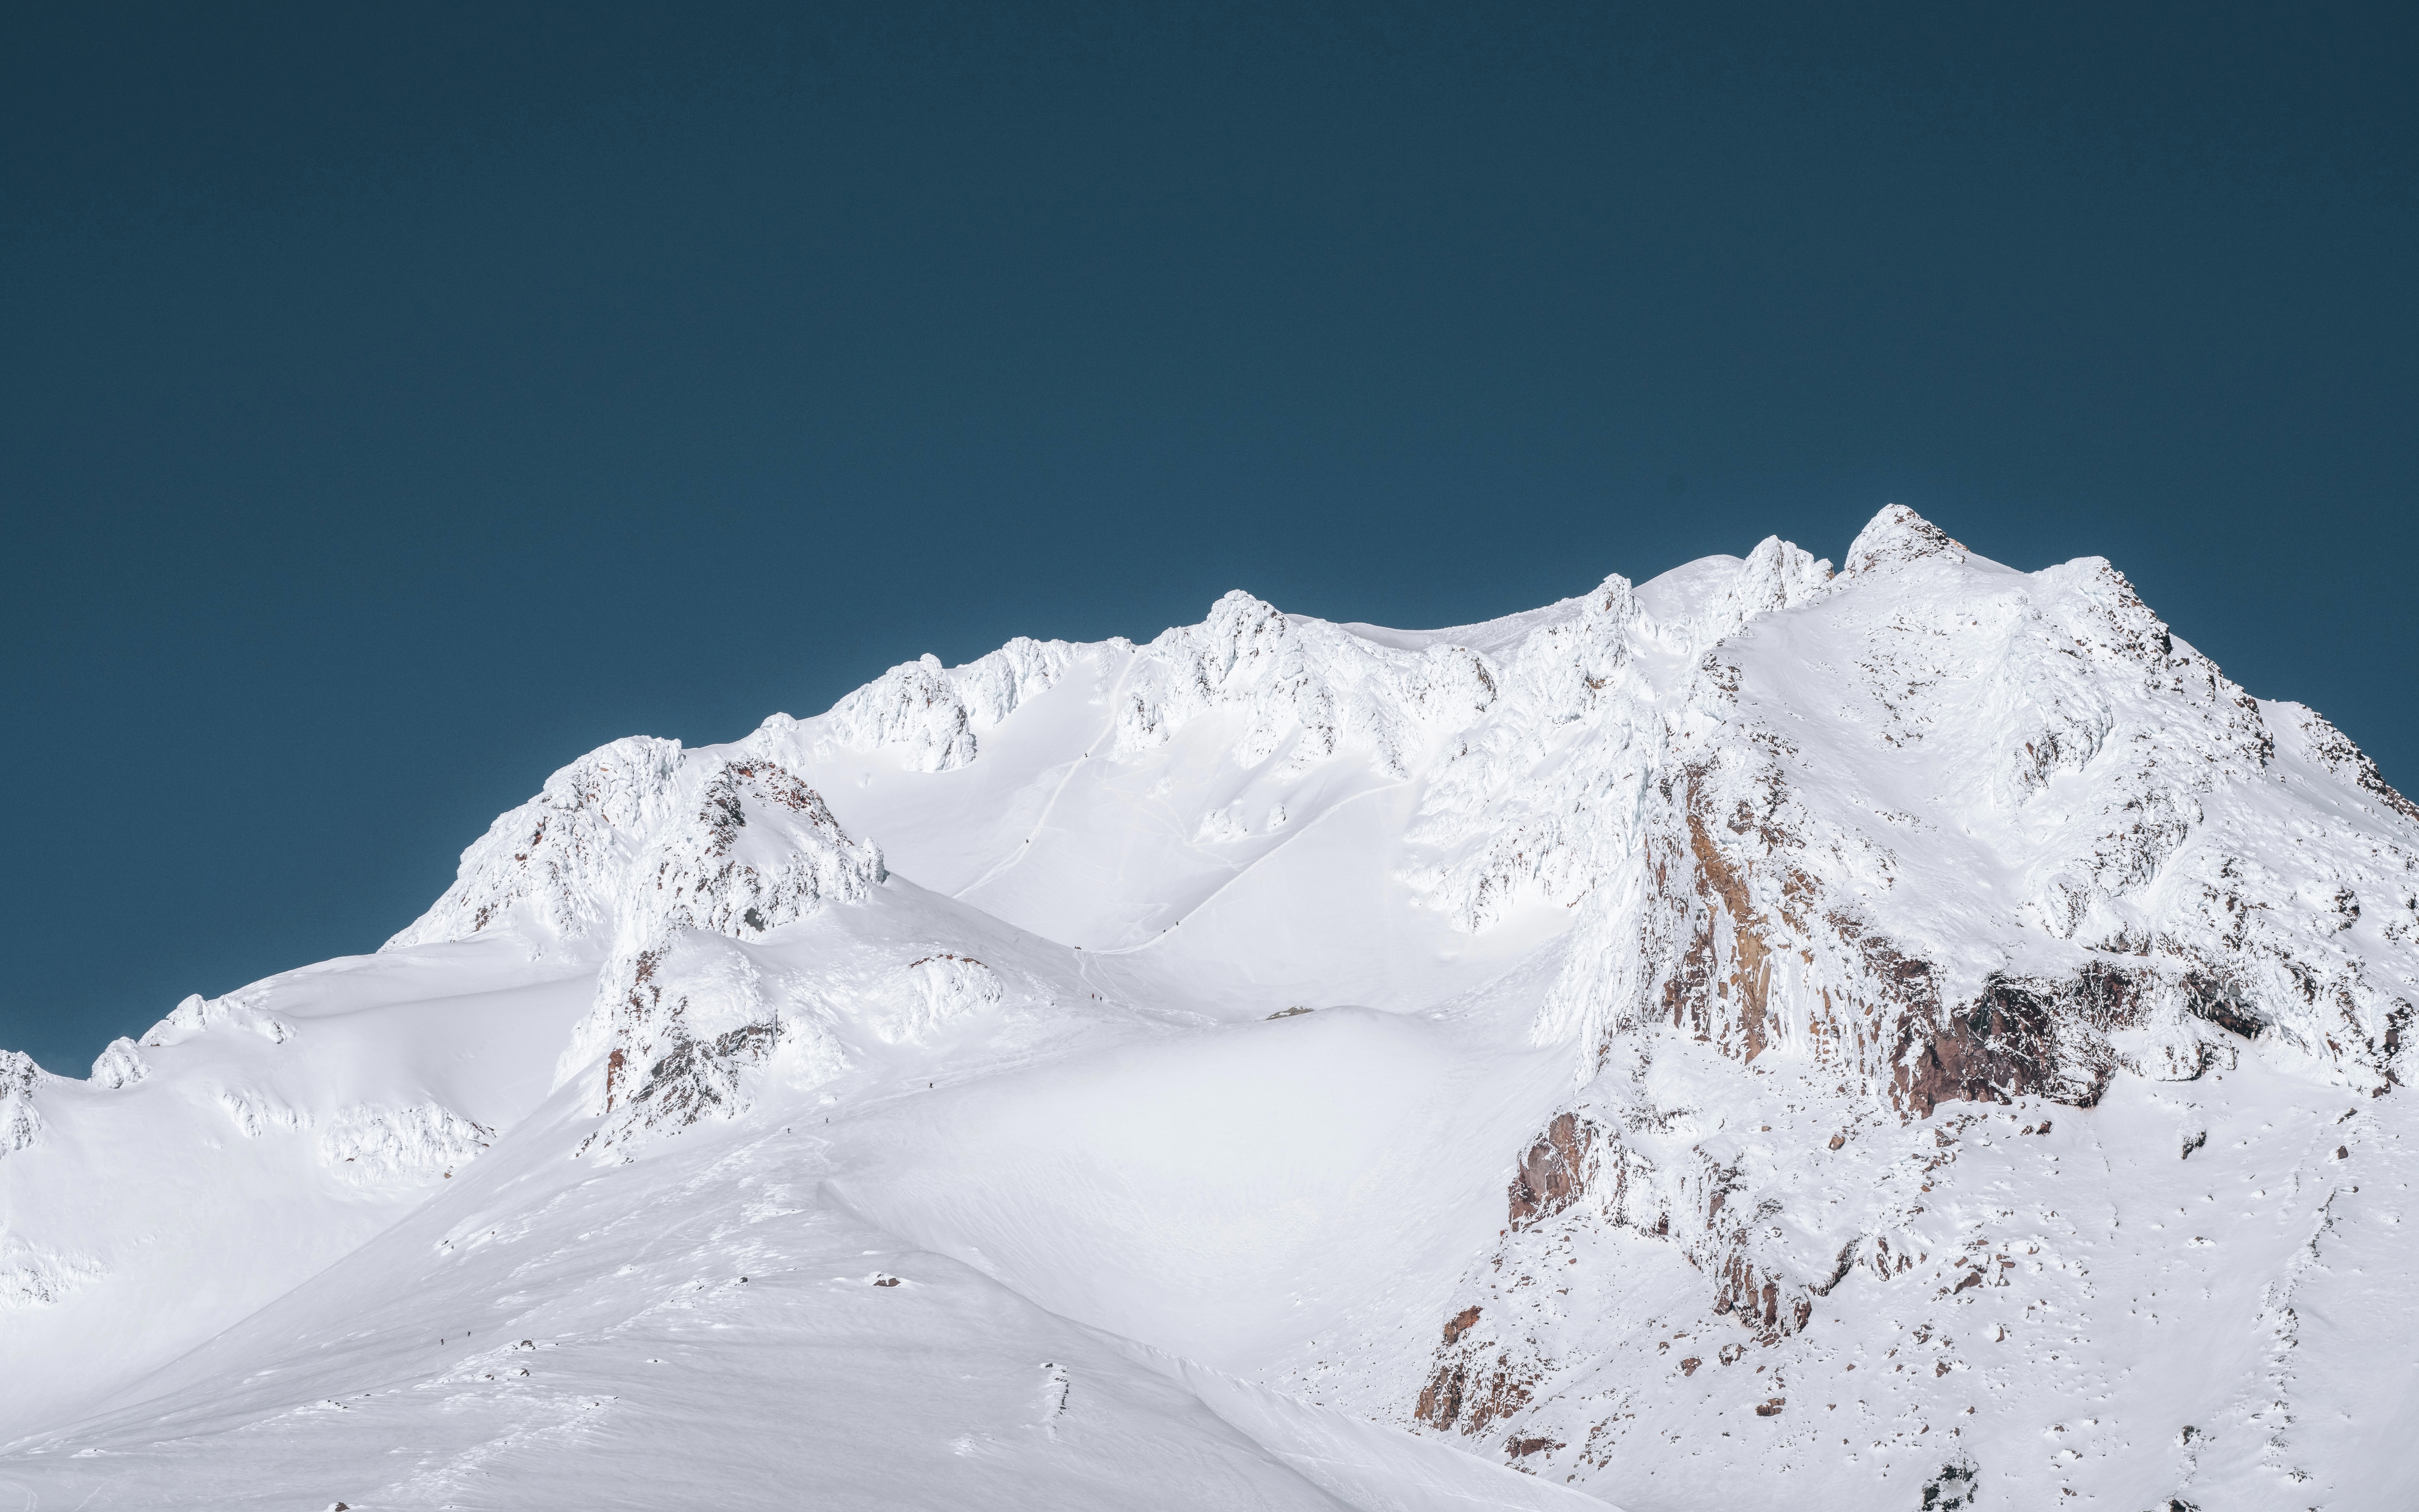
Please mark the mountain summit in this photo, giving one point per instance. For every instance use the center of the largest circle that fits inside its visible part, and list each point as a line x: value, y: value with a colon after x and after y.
x: 1917, y: 1036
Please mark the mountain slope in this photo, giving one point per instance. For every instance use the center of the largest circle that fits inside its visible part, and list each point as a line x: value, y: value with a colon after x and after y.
x: 1907, y: 1036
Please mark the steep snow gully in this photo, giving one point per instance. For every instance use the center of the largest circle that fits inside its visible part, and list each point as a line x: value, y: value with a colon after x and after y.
x: 1912, y: 1036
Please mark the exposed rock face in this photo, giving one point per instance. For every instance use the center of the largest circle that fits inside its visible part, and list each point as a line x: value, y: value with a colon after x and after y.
x: 1952, y: 1489
x: 936, y: 991
x: 371, y: 1144
x: 255, y: 1113
x: 1307, y: 689
x: 195, y: 1013
x: 2007, y: 1043
x: 560, y: 858
x: 1473, y: 1391
x: 32, y: 1275
x: 641, y: 828
x: 1552, y: 1173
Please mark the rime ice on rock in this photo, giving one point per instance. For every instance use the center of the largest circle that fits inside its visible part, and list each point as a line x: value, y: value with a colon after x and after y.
x: 560, y: 857
x: 120, y: 1065
x: 195, y: 1014
x: 930, y: 715
x: 21, y: 1125
x: 32, y: 1277
x: 1896, y: 536
x: 1307, y: 689
x: 371, y: 1144
x: 936, y: 989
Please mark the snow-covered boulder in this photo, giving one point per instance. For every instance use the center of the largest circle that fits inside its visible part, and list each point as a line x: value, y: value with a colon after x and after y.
x: 120, y: 1065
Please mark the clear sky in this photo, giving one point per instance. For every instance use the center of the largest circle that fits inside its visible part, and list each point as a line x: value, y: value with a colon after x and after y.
x: 396, y: 406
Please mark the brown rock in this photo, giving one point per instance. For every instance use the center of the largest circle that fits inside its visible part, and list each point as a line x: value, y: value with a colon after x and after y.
x: 1996, y: 1047
x: 1772, y: 1408
x: 2020, y: 1036
x: 1552, y: 1172
x: 1441, y: 1398
x: 1688, y: 1365
x: 1460, y: 1324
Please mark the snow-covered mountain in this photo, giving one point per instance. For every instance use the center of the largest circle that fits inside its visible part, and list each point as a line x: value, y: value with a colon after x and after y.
x: 1917, y: 1036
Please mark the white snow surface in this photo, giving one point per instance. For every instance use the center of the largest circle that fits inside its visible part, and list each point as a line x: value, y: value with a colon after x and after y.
x: 1917, y: 1037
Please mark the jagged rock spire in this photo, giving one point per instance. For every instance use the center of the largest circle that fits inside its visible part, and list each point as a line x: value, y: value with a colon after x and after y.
x: 1898, y: 535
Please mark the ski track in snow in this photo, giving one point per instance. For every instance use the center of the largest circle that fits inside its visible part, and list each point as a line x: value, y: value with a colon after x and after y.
x: 1912, y: 1036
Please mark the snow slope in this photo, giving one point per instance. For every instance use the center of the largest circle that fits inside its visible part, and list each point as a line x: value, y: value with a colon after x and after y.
x: 1913, y: 1036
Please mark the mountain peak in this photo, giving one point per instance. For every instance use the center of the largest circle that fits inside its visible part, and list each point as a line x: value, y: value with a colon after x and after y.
x: 1829, y: 965
x: 1898, y: 535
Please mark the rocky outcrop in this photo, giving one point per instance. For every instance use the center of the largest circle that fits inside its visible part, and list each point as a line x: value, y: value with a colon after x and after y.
x: 1932, y: 836
x: 681, y: 1010
x: 666, y: 861
x: 20, y: 1123
x: 255, y: 1113
x: 1896, y: 537
x: 2003, y: 1045
x: 371, y: 1144
x: 1553, y: 1173
x: 120, y: 1065
x: 196, y: 1014
x: 1306, y: 690
x: 929, y: 716
x: 1460, y: 1324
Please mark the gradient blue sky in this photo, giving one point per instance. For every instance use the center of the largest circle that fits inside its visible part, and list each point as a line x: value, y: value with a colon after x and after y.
x: 398, y: 406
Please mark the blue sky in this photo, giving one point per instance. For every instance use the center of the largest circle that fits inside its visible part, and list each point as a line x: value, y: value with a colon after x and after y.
x: 398, y: 405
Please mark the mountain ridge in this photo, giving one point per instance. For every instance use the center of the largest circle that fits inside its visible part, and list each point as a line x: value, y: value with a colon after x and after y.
x: 1903, y: 865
